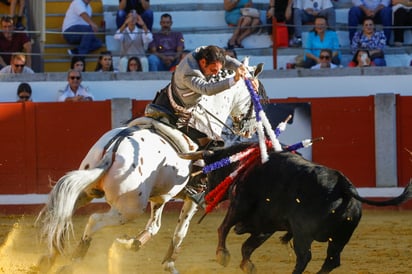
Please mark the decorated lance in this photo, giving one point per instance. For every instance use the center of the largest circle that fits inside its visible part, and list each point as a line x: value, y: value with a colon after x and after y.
x: 262, y: 123
x: 304, y: 143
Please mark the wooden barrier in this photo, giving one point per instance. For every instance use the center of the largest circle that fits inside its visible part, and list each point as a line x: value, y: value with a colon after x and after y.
x: 42, y: 141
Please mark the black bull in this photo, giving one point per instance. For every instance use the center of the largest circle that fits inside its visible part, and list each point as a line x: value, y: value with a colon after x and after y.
x: 288, y: 193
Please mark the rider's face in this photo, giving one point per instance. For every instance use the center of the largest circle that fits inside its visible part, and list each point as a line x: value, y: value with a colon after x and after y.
x: 211, y: 68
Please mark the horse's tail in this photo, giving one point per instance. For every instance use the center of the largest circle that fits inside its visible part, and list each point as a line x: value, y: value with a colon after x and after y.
x: 67, y: 195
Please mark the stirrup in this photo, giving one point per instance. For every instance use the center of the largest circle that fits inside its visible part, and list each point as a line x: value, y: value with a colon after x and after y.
x: 198, y: 198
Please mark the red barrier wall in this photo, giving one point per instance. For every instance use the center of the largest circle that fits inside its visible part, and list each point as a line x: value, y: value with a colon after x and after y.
x: 404, y: 138
x: 39, y: 141
x: 42, y: 141
x: 347, y: 124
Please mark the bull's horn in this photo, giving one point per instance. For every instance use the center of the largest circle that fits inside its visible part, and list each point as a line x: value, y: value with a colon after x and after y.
x: 197, y: 155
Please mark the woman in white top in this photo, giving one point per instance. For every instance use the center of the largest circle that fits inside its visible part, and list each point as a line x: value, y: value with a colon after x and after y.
x: 133, y: 40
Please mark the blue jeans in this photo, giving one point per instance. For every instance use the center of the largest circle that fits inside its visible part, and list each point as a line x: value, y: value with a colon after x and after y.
x: 86, y: 40
x: 155, y: 64
x: 356, y: 17
x: 147, y: 17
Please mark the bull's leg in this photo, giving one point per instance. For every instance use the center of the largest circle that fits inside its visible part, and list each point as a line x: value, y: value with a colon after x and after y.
x: 222, y: 253
x: 253, y: 242
x: 336, y: 244
x: 96, y: 222
x: 188, y: 210
x: 301, y: 245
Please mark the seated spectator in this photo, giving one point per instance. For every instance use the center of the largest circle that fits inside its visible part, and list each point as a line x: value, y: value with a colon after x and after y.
x: 79, y: 28
x: 306, y: 11
x: 361, y: 58
x: 370, y: 39
x: 78, y: 63
x: 245, y: 25
x: 321, y: 38
x: 402, y: 16
x: 325, y: 60
x: 17, y: 65
x: 105, y: 62
x: 379, y: 11
x: 166, y: 47
x: 13, y: 5
x: 133, y: 64
x: 133, y: 40
x: 141, y: 7
x: 182, y: 56
x: 74, y: 91
x: 24, y: 93
x: 282, y: 11
x: 11, y: 42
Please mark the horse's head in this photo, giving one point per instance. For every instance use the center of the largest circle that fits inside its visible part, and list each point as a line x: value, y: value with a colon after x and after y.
x: 232, y: 108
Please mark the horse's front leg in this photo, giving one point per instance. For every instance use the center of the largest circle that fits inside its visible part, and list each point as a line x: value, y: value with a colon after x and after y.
x: 188, y: 210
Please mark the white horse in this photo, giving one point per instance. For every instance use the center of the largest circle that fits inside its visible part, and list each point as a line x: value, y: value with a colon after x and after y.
x: 129, y: 167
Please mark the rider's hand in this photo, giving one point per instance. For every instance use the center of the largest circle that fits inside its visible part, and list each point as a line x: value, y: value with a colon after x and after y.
x: 240, y: 73
x: 255, y: 83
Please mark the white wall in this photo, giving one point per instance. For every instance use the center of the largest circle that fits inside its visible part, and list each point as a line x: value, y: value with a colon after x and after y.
x: 279, y: 87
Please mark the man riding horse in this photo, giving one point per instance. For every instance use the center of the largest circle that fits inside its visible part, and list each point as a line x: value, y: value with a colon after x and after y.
x: 192, y: 79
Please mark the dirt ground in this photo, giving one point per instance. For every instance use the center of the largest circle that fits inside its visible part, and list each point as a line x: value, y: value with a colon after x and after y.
x: 382, y: 243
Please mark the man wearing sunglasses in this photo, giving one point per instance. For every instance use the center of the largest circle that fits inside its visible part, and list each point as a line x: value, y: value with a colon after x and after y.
x: 74, y: 91
x: 17, y: 65
x: 325, y: 60
x: 11, y: 41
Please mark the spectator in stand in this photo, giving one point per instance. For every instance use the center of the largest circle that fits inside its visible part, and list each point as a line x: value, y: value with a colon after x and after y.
x: 361, y: 58
x: 166, y: 47
x: 78, y: 63
x: 133, y: 40
x: 370, y: 39
x: 402, y: 16
x: 133, y: 64
x: 325, y: 60
x: 11, y: 42
x: 306, y: 11
x: 105, y: 62
x: 182, y: 56
x: 282, y: 11
x: 79, y: 28
x: 245, y: 24
x: 13, y: 4
x: 17, y: 65
x: 24, y: 93
x: 321, y: 38
x: 142, y: 7
x: 379, y: 10
x: 74, y: 91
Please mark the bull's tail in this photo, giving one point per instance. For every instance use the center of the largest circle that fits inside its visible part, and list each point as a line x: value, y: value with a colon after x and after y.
x: 67, y: 195
x: 403, y: 197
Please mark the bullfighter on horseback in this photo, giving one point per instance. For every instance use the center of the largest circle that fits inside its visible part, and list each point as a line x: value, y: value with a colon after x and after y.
x: 194, y: 77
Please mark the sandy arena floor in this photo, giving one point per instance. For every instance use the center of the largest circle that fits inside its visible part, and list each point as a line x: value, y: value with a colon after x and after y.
x: 382, y: 243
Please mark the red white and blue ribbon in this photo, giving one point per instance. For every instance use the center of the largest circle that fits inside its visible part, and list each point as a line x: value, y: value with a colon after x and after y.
x: 262, y: 123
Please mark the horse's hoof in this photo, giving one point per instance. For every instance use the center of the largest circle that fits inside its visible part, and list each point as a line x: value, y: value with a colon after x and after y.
x: 248, y: 267
x: 66, y: 269
x: 81, y: 249
x: 130, y: 243
x: 44, y: 264
x: 170, y: 267
x: 223, y: 257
